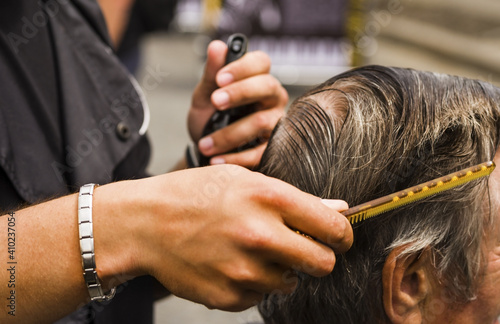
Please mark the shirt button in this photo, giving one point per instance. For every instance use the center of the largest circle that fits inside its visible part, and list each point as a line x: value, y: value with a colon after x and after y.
x: 123, y: 131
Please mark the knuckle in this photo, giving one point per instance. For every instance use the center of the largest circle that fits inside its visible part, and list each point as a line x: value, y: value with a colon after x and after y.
x: 337, y: 228
x: 340, y: 224
x: 242, y: 274
x: 278, y: 113
x: 340, y: 235
x: 254, y: 156
x: 242, y: 96
x: 263, y: 121
x: 263, y: 59
x: 284, y: 97
x: 223, y: 139
x: 270, y: 194
x: 255, y: 236
x: 272, y: 84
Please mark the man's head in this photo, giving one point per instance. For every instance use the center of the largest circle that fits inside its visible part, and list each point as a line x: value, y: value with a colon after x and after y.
x: 372, y: 131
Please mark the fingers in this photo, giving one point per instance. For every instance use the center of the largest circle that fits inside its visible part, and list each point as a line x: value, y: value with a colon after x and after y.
x: 327, y: 225
x: 262, y: 276
x: 247, y: 286
x: 252, y: 63
x: 257, y: 126
x: 245, y: 81
x: 263, y: 88
x: 242, y: 82
x: 273, y: 243
x: 217, y: 75
x: 275, y: 240
x: 312, y: 216
x: 248, y: 158
x: 237, y: 242
x: 248, y: 291
x: 302, y: 254
x: 272, y: 278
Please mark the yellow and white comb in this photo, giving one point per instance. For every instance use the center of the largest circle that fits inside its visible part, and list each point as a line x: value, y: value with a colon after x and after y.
x: 395, y: 200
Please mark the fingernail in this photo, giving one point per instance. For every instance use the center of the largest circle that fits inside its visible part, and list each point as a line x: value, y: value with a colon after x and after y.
x: 224, y: 79
x: 335, y: 204
x: 217, y: 160
x: 206, y: 144
x: 220, y: 99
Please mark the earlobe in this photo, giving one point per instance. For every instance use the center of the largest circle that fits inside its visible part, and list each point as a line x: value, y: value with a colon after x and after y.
x: 406, y: 285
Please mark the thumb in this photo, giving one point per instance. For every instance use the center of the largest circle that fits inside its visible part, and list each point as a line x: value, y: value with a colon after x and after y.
x: 216, y: 56
x: 201, y: 106
x: 338, y: 205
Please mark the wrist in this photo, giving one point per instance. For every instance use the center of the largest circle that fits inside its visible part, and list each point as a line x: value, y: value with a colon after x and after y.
x: 158, y: 208
x: 114, y: 239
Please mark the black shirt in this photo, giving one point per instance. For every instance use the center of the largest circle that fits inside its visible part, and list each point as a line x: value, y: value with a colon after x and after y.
x: 70, y: 114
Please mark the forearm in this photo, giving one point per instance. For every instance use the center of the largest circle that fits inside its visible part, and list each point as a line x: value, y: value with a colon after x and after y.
x: 47, y: 272
x: 48, y: 280
x: 213, y: 235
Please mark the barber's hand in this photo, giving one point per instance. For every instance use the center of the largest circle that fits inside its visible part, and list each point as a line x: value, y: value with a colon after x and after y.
x: 222, y: 235
x: 244, y: 81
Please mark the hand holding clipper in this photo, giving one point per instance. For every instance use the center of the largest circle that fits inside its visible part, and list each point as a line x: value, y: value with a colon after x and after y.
x: 237, y: 47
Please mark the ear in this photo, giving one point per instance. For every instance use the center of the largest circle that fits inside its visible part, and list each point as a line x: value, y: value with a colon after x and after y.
x: 406, y: 285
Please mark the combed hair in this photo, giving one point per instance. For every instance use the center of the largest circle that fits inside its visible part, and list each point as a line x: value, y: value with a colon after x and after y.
x: 367, y: 133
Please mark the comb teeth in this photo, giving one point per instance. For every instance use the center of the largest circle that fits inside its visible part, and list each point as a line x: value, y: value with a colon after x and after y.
x: 401, y: 198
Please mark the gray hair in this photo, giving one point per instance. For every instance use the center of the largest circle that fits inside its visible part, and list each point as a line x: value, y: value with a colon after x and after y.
x: 367, y: 133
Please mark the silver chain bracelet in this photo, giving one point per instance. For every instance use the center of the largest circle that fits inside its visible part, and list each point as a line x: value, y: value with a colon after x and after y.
x: 86, y: 232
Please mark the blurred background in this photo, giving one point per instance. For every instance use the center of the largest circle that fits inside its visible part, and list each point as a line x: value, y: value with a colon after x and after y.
x: 163, y: 42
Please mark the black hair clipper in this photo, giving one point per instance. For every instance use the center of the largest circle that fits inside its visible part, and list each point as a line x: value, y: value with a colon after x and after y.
x: 237, y: 46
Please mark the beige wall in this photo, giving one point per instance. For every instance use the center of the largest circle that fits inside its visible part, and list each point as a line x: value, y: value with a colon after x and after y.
x: 451, y: 36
